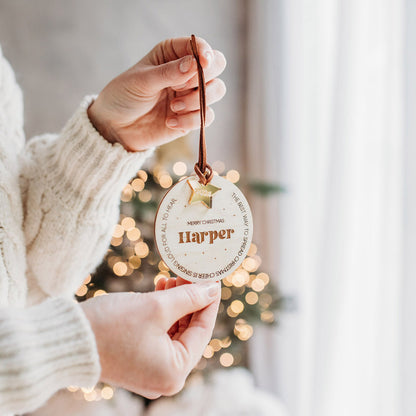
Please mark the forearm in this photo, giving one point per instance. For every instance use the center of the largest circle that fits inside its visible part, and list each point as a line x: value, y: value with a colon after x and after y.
x: 43, y: 349
x: 71, y: 187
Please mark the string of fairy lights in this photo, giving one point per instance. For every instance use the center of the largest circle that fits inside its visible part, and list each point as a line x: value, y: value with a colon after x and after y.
x: 247, y: 295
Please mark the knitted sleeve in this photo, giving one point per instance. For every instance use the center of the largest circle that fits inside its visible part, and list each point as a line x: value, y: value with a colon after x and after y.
x: 71, y: 186
x: 42, y: 349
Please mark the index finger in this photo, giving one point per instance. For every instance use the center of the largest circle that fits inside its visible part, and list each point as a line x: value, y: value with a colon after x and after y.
x: 180, y: 281
x: 192, y: 342
x: 172, y: 49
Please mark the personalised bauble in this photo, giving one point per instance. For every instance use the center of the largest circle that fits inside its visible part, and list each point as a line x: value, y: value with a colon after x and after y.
x: 203, y: 232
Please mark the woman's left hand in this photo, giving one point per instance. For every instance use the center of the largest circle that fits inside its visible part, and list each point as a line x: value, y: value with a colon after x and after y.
x: 156, y: 101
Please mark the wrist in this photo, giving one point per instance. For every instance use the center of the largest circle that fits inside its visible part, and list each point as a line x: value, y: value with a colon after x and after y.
x: 91, y: 314
x: 98, y: 121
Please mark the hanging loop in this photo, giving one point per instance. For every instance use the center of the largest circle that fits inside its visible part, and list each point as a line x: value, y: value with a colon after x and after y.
x: 202, y: 169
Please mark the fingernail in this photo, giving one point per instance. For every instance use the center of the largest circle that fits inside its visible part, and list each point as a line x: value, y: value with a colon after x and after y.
x: 178, y: 106
x: 185, y: 64
x: 212, y: 289
x: 208, y: 56
x: 172, y: 122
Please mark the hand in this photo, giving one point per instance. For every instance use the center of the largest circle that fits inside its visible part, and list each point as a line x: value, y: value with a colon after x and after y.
x: 156, y: 101
x: 149, y: 342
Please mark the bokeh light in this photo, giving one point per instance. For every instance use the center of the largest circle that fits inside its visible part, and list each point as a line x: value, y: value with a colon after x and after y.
x: 141, y: 249
x: 252, y: 298
x: 226, y: 293
x: 233, y: 176
x: 226, y: 359
x: 237, y: 306
x: 145, y: 195
x: 107, y: 393
x: 165, y: 181
x: 127, y: 193
x: 180, y: 168
x: 128, y: 223
x: 120, y: 268
x: 142, y: 174
x: 138, y: 184
x: 133, y: 234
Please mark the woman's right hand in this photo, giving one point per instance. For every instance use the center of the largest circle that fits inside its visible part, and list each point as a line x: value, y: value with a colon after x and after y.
x: 148, y: 343
x: 155, y: 101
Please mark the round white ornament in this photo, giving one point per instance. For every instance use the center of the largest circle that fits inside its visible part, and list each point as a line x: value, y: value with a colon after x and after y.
x: 203, y: 232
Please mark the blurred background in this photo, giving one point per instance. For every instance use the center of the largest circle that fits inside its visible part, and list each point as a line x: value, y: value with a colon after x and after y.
x: 318, y: 129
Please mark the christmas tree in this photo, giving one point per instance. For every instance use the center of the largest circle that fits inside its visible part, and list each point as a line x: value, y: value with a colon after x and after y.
x: 132, y: 263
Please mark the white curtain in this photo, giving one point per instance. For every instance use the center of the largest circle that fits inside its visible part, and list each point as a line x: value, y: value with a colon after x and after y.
x: 326, y: 118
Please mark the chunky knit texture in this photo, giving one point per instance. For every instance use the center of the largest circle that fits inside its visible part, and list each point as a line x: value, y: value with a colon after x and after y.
x: 59, y: 202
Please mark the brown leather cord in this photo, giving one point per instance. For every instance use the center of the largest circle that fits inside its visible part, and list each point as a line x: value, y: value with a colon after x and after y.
x: 202, y: 169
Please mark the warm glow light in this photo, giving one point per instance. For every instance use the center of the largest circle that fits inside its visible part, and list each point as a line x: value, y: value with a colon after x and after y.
x: 120, y: 268
x: 99, y: 292
x: 72, y: 389
x: 112, y: 260
x: 218, y: 166
x: 257, y: 285
x: 226, y: 359
x: 128, y: 223
x: 226, y: 293
x: 215, y: 344
x: 252, y: 250
x: 116, y: 241
x: 107, y: 393
x: 87, y: 279
x: 138, y: 184
x: 226, y: 342
x: 127, y: 193
x: 265, y: 300
x: 141, y: 249
x: 209, y: 351
x: 135, y: 262
x: 267, y: 316
x: 237, y: 306
x: 145, y: 195
x: 91, y: 396
x: 87, y: 389
x: 250, y: 264
x: 180, y: 168
x: 226, y: 281
x: 233, y: 176
x: 265, y: 277
x: 82, y: 291
x: 129, y: 271
x: 252, y: 298
x: 165, y: 181
x: 118, y: 231
x: 142, y: 175
x: 243, y: 330
x: 133, y: 234
x: 239, y: 278
x: 231, y: 313
x: 162, y: 266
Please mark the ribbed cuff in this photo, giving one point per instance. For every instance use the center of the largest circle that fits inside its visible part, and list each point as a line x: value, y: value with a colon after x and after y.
x: 43, y: 349
x: 83, y: 161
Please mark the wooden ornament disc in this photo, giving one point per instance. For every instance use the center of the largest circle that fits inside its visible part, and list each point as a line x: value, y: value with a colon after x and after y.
x: 199, y: 243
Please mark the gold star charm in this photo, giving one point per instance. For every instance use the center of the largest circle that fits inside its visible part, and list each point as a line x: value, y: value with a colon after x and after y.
x: 202, y: 193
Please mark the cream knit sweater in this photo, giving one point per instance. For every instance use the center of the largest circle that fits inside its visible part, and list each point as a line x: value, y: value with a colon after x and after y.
x: 59, y: 201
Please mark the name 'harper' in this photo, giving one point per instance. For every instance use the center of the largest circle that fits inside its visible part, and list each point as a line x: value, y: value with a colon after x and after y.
x: 201, y: 236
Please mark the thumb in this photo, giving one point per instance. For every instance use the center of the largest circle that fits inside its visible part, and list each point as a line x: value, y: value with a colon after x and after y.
x: 171, y: 74
x: 186, y: 299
